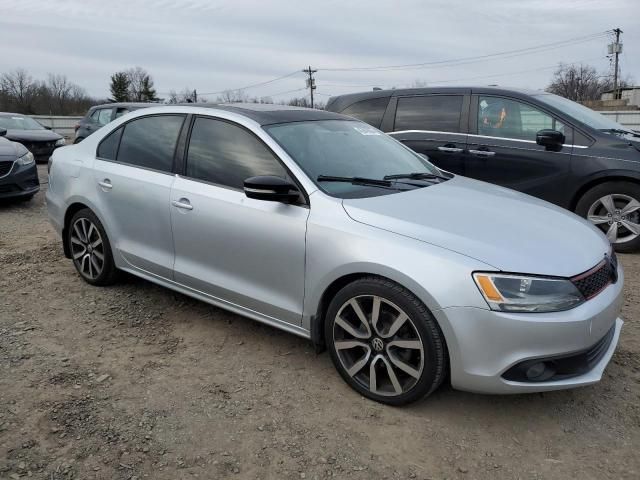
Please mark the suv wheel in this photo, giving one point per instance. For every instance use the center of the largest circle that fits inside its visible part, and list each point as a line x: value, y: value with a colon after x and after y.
x: 90, y: 249
x: 614, y: 207
x: 384, y: 342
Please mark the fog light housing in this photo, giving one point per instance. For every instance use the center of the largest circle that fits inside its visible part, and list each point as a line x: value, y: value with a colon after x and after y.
x: 536, y: 370
x: 531, y: 371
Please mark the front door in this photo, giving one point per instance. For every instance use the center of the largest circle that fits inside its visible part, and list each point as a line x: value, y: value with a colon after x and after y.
x: 244, y: 252
x: 434, y: 125
x: 504, y: 149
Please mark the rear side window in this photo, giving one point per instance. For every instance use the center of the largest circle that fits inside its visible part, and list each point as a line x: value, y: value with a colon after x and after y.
x: 108, y: 148
x: 227, y: 154
x: 121, y: 111
x: 150, y: 142
x: 440, y: 113
x: 370, y: 111
x: 104, y: 116
x: 94, y: 116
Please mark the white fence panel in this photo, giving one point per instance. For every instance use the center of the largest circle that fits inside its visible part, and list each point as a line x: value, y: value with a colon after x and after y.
x: 59, y: 124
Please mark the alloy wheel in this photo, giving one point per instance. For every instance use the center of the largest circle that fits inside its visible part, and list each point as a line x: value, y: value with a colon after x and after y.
x: 87, y: 248
x: 378, y: 345
x: 618, y: 216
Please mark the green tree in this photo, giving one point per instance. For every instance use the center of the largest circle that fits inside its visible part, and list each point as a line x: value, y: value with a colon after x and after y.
x: 147, y: 92
x: 119, y: 87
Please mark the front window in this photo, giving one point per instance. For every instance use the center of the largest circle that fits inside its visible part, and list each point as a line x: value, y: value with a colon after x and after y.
x: 579, y: 112
x: 505, y: 118
x: 17, y: 122
x: 343, y: 148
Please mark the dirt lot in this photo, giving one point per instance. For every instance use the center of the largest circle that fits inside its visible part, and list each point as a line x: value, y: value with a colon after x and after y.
x: 135, y: 381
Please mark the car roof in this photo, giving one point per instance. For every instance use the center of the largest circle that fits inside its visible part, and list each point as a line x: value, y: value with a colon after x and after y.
x: 261, y: 113
x: 340, y: 102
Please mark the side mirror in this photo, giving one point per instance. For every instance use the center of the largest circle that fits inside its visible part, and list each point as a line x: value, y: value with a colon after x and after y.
x: 3, y: 132
x: 550, y: 139
x: 271, y: 188
x: 46, y: 127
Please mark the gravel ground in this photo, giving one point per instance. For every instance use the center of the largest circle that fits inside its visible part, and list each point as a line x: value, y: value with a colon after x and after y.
x: 135, y: 381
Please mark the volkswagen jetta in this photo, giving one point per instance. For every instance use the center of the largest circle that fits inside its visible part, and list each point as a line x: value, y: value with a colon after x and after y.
x: 323, y: 226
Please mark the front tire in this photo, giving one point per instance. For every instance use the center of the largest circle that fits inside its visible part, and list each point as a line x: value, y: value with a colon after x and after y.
x: 384, y: 342
x: 614, y: 207
x: 90, y: 249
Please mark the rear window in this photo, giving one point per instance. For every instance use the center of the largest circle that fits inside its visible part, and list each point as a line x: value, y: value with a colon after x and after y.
x: 370, y: 111
x: 440, y: 113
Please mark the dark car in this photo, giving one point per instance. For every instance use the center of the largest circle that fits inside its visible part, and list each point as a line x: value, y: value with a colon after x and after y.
x: 38, y: 139
x: 531, y: 141
x: 18, y: 172
x: 99, y: 115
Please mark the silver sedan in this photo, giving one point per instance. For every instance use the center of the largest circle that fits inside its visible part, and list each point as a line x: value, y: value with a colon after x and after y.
x: 323, y: 226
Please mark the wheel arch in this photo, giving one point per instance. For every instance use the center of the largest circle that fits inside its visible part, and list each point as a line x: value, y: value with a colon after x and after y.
x: 317, y: 319
x: 75, y: 206
x: 601, y: 178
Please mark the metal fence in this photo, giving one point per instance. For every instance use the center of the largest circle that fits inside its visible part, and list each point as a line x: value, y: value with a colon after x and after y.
x: 59, y: 124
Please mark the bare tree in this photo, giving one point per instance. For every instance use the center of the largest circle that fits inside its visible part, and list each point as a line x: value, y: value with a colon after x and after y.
x: 233, y: 96
x: 21, y: 90
x: 59, y: 92
x: 580, y: 82
x: 140, y: 85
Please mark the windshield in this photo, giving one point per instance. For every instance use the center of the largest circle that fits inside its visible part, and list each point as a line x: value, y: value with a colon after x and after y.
x: 580, y: 112
x: 19, y: 123
x: 344, y: 148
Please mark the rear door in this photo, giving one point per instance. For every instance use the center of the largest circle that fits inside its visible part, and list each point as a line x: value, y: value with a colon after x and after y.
x: 502, y: 148
x: 134, y: 174
x: 244, y: 252
x: 435, y: 125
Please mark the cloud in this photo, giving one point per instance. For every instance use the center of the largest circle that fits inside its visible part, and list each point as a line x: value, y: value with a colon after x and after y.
x: 215, y: 45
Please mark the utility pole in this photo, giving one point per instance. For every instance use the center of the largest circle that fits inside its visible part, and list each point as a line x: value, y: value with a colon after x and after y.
x: 616, y: 49
x: 195, y: 96
x: 311, y: 82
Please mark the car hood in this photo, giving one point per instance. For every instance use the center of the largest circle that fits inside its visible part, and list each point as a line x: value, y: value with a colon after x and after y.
x: 10, y: 150
x: 32, y: 135
x: 506, y: 229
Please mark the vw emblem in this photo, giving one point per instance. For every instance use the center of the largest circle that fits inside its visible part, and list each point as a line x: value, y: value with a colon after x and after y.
x: 378, y: 345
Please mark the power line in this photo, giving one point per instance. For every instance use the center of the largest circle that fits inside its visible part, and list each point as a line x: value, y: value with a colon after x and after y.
x: 464, y: 60
x: 254, y: 85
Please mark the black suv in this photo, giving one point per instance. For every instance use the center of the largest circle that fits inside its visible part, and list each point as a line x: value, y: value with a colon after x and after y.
x: 531, y: 141
x: 99, y: 115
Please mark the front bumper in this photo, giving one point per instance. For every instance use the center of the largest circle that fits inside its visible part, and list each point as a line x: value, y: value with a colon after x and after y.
x: 484, y: 344
x: 21, y: 181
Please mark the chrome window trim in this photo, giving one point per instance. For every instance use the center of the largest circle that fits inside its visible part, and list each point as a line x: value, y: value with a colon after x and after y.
x: 479, y: 136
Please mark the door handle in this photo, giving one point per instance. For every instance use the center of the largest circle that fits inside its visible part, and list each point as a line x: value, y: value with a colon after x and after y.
x: 106, y: 184
x: 482, y: 153
x: 183, y: 203
x: 450, y: 149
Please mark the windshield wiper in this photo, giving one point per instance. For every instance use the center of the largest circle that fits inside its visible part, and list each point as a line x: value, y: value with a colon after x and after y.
x: 355, y: 180
x: 620, y: 131
x: 416, y: 176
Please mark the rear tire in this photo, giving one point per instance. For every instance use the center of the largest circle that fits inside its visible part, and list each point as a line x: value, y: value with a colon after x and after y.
x: 614, y: 207
x: 90, y: 249
x: 384, y: 342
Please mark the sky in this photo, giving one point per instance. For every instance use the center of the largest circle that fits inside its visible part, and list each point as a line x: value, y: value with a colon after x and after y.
x: 217, y: 45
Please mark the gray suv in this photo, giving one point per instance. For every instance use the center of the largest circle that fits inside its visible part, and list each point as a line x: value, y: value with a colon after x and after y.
x: 321, y: 225
x: 99, y: 115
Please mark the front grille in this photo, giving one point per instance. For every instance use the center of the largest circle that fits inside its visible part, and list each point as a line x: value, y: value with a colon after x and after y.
x: 598, y: 278
x: 5, y: 167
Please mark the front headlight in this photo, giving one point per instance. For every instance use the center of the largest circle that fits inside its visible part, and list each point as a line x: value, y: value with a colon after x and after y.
x: 25, y: 159
x: 61, y: 143
x: 522, y: 293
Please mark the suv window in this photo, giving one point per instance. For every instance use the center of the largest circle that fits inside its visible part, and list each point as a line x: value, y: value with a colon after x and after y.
x: 104, y: 116
x: 370, y: 111
x: 150, y: 142
x: 227, y: 154
x: 121, y: 111
x: 502, y: 117
x: 94, y: 116
x: 440, y: 113
x: 108, y: 147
